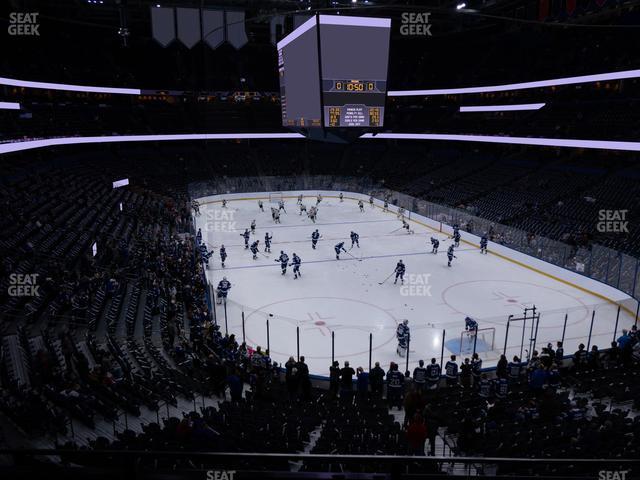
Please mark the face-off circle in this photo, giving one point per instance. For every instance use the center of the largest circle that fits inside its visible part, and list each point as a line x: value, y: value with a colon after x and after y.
x: 351, y: 321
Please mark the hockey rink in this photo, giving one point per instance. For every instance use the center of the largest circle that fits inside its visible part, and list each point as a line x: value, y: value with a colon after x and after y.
x: 343, y: 299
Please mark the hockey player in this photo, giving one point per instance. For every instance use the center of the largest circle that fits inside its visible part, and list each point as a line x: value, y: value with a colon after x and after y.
x: 456, y: 239
x: 483, y: 244
x: 371, y: 201
x: 254, y: 249
x: 246, y: 235
x: 470, y: 325
x: 456, y: 228
x: 276, y: 216
x: 402, y: 334
x: 355, y: 240
x: 223, y: 289
x: 341, y: 197
x: 260, y: 205
x: 295, y: 262
x: 303, y: 208
x: 400, y: 213
x: 223, y: 255
x: 300, y: 199
x: 338, y: 248
x: 435, y: 243
x: 281, y: 206
x: 205, y: 254
x: 253, y: 227
x: 267, y: 242
x: 284, y: 261
x: 450, y: 255
x: 224, y: 203
x: 386, y: 206
x: 318, y: 199
x: 313, y: 212
x: 400, y: 269
x: 199, y: 237
x: 315, y: 236
x: 361, y: 206
x: 405, y: 225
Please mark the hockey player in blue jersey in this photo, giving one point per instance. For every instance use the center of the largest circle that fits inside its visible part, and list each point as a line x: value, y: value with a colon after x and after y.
x: 402, y: 334
x: 284, y: 261
x: 223, y: 289
x: 223, y: 255
x: 205, y: 254
x: 246, y: 236
x: 315, y: 236
x: 338, y: 248
x: 435, y: 243
x: 399, y: 271
x: 450, y: 255
x: 456, y: 229
x: 295, y: 262
x: 456, y: 239
x: 267, y: 242
x: 354, y: 240
x: 254, y: 249
x: 470, y: 325
x: 483, y: 244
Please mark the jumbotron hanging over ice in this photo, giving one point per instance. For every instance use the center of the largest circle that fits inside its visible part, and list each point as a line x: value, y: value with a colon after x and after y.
x: 333, y: 75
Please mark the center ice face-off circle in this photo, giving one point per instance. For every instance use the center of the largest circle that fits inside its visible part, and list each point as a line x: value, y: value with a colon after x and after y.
x: 351, y: 320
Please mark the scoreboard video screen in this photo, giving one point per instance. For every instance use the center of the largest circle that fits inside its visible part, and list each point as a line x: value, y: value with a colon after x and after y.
x: 349, y: 58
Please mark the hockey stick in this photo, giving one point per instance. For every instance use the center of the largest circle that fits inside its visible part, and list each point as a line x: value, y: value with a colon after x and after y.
x: 351, y: 255
x: 396, y: 230
x: 380, y: 283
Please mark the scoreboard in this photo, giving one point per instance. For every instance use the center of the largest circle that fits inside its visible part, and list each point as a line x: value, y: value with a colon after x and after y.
x: 333, y: 72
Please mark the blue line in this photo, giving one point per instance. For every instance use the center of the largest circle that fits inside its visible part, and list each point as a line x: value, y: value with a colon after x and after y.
x: 324, y: 224
x: 341, y: 260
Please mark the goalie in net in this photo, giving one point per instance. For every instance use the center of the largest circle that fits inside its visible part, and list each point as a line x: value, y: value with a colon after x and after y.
x: 473, y: 335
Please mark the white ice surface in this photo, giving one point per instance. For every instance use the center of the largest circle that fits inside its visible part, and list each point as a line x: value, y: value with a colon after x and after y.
x: 345, y: 296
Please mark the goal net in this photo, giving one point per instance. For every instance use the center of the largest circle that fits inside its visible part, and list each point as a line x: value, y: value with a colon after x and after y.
x: 275, y: 197
x: 483, y: 339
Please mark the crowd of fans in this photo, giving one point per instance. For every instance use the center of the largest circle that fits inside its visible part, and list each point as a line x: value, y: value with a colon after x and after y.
x: 130, y: 331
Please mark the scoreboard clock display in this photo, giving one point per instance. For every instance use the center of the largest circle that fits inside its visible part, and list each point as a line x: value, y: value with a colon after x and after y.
x: 333, y: 72
x: 354, y: 103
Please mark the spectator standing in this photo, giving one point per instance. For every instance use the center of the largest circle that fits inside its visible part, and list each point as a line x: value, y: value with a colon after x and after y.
x: 451, y: 372
x: 376, y: 378
x: 416, y: 435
